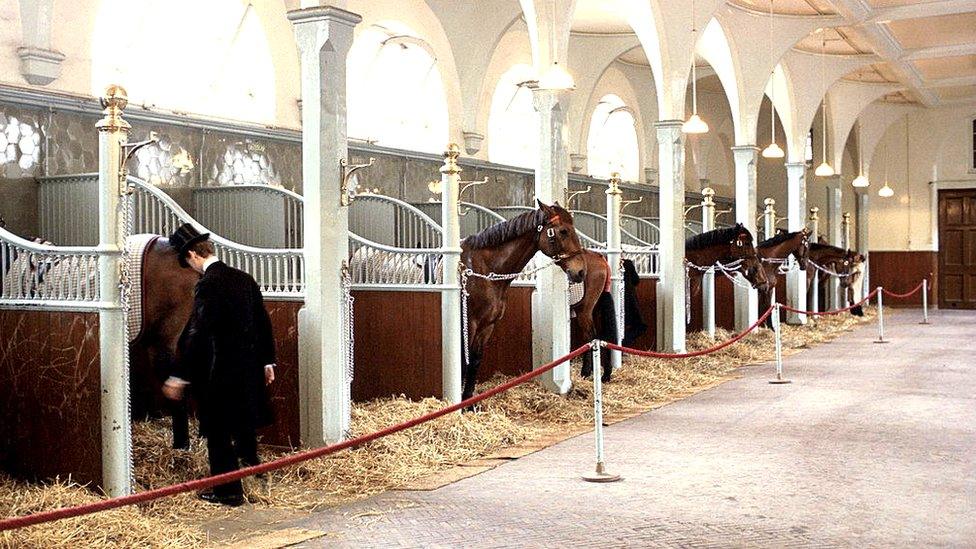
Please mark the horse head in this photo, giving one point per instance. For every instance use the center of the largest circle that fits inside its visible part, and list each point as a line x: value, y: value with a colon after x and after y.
x: 802, y: 251
x: 558, y: 240
x: 850, y: 266
x: 743, y: 248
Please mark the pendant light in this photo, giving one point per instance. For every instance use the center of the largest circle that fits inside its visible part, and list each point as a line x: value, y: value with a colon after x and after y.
x: 886, y: 191
x: 824, y: 169
x: 694, y: 124
x: 861, y: 180
x: 772, y: 150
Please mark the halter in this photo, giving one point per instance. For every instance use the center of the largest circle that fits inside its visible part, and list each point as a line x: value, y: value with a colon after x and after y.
x: 559, y: 257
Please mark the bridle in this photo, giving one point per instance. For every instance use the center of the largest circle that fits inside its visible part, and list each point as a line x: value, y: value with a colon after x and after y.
x: 559, y: 256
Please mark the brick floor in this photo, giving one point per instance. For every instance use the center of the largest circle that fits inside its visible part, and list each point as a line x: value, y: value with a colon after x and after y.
x: 870, y: 446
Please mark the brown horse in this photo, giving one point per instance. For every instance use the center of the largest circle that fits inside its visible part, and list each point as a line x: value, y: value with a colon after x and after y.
x: 838, y: 260
x: 728, y: 246
x: 594, y: 316
x: 773, y: 252
x: 506, y: 248
x: 167, y: 300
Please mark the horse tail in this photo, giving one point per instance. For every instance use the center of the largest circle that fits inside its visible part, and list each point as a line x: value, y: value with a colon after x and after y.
x: 607, y: 316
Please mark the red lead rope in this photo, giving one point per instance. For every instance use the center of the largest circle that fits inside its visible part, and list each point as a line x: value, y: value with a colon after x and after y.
x: 207, y: 482
x: 718, y: 347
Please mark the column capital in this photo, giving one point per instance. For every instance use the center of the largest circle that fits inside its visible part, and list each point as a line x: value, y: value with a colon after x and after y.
x: 547, y: 98
x: 796, y: 165
x: 745, y: 148
x: 331, y: 14
x: 668, y: 124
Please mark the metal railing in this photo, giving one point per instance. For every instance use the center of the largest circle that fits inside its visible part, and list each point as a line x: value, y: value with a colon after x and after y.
x: 231, y: 211
x: 36, y: 274
x: 474, y: 218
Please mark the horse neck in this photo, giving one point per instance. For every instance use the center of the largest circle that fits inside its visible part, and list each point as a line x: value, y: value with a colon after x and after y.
x: 509, y: 257
x: 781, y: 250
x: 710, y: 255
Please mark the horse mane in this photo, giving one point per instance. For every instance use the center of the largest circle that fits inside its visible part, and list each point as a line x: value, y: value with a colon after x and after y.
x: 821, y: 247
x: 505, y: 231
x: 778, y: 239
x: 715, y: 237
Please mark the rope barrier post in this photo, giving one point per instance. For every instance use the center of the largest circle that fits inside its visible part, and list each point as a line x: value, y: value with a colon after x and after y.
x: 600, y: 474
x: 614, y: 257
x: 881, y: 332
x: 814, y: 235
x: 779, y: 347
x: 708, y: 278
x: 116, y: 429
x: 925, y: 301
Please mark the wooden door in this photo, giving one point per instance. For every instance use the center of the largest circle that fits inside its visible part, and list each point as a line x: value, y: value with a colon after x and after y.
x: 957, y: 249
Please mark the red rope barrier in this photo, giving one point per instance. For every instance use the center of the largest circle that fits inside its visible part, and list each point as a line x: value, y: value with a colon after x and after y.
x: 902, y: 296
x: 834, y: 312
x: 207, y: 482
x: 718, y: 347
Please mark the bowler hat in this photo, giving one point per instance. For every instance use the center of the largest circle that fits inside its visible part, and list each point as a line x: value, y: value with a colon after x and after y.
x: 185, y: 236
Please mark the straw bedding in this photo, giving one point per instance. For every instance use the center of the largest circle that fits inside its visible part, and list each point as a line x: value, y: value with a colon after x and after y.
x: 524, y: 413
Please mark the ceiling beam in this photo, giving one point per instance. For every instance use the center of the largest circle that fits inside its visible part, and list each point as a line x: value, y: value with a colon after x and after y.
x: 950, y: 82
x: 954, y: 50
x: 915, y: 11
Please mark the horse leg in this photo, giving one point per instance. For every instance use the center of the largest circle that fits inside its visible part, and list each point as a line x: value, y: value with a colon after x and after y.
x: 162, y: 359
x: 584, y: 320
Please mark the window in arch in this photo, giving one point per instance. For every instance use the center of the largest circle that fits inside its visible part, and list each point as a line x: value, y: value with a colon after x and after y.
x: 209, y: 58
x: 612, y: 145
x: 513, y: 125
x: 395, y: 95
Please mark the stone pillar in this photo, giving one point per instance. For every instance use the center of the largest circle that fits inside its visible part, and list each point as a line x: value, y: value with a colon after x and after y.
x: 324, y: 35
x: 451, y: 295
x: 613, y: 258
x: 113, y: 132
x: 834, y: 236
x: 796, y: 207
x: 708, y: 278
x: 746, y: 299
x: 863, y: 204
x: 671, y: 284
x: 550, y: 302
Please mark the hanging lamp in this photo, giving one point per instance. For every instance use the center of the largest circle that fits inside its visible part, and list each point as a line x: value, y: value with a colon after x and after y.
x: 824, y: 169
x: 886, y: 191
x: 694, y: 124
x: 772, y: 150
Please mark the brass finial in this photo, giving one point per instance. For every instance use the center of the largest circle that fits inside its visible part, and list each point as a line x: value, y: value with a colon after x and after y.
x: 814, y: 211
x: 847, y: 216
x: 708, y: 192
x: 770, y: 202
x: 114, y: 102
x: 613, y: 187
x: 451, y: 156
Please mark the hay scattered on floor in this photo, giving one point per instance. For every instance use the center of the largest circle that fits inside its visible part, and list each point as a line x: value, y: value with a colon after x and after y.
x: 526, y: 412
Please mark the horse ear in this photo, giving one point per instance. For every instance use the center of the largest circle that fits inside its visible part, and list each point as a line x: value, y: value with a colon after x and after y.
x: 544, y: 207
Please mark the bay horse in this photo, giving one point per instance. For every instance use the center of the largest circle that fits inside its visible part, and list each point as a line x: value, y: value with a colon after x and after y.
x: 773, y: 252
x: 596, y: 299
x: 724, y: 246
x: 506, y: 248
x: 843, y: 262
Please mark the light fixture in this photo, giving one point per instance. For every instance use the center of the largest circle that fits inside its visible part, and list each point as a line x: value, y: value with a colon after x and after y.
x: 556, y: 78
x: 886, y: 191
x: 773, y: 150
x: 860, y: 181
x: 824, y: 169
x: 694, y: 124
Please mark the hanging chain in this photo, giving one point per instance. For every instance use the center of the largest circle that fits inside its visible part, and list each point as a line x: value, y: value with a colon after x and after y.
x: 784, y: 265
x: 463, y: 275
x: 621, y: 296
x: 348, y: 332
x: 125, y: 297
x: 828, y: 271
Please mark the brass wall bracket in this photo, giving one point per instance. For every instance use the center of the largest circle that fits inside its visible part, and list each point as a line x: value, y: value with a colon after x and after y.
x: 128, y: 151
x: 625, y: 203
x: 571, y: 195
x: 347, y: 194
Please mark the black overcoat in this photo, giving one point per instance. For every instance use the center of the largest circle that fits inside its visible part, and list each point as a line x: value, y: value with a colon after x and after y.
x: 224, y: 349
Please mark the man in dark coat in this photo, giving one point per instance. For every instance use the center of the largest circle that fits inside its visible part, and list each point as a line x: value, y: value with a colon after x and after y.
x: 227, y: 356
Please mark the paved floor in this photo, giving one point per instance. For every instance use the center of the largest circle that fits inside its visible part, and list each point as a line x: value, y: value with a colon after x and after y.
x: 870, y: 446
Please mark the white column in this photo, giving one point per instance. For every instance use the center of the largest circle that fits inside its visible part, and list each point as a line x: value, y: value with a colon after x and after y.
x: 550, y: 303
x: 834, y: 236
x: 769, y: 219
x: 324, y: 36
x: 671, y: 285
x: 815, y: 286
x: 746, y: 299
x: 451, y: 295
x: 113, y: 132
x: 796, y: 207
x: 863, y: 204
x: 613, y: 258
x: 708, y: 278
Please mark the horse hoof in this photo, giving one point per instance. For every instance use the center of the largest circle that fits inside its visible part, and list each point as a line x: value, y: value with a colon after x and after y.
x: 473, y: 409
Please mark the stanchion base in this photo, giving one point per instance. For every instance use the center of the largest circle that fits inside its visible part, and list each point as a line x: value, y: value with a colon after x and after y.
x: 598, y: 476
x: 881, y: 341
x: 925, y: 322
x: 780, y: 381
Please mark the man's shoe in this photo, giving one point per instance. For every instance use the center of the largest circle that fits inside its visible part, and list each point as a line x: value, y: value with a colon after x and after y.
x: 230, y: 500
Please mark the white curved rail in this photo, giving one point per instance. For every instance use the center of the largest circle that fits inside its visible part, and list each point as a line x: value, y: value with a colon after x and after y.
x: 37, y: 274
x: 230, y: 211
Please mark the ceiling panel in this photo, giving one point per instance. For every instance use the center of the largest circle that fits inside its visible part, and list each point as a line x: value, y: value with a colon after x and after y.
x: 894, y: 3
x: 788, y: 7
x: 635, y: 56
x: 839, y: 42
x: 944, y: 30
x: 957, y: 92
x: 877, y: 73
x: 947, y: 67
x: 600, y: 16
